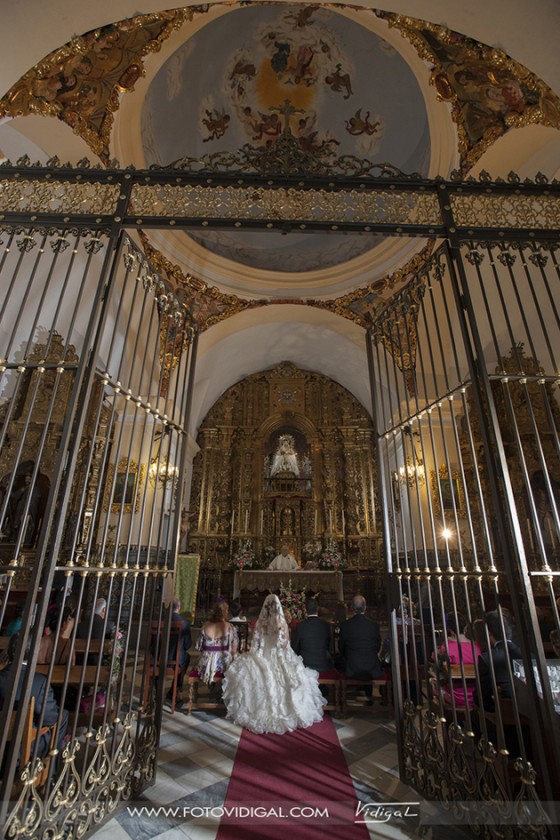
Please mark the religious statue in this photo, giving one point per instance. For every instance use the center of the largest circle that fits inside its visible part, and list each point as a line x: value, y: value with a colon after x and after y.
x: 25, y: 499
x: 285, y: 561
x: 285, y: 457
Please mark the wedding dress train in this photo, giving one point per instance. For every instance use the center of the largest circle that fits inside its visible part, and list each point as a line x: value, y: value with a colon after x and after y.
x: 269, y: 689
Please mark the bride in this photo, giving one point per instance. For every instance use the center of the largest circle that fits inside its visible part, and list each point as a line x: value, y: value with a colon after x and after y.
x: 269, y: 689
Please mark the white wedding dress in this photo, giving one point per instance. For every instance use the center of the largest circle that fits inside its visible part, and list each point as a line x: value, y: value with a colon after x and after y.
x: 269, y: 689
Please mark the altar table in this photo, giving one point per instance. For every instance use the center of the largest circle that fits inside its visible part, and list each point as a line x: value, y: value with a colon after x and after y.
x: 312, y: 580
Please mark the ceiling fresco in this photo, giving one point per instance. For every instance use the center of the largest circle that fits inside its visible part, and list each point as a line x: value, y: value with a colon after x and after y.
x: 229, y: 83
x: 257, y: 72
x: 336, y: 78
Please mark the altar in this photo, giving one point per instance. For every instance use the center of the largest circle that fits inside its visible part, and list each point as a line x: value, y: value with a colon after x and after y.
x: 324, y: 583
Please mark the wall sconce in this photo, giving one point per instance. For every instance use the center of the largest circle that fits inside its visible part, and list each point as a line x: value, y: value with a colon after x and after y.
x: 160, y: 469
x: 413, y: 470
x: 410, y: 473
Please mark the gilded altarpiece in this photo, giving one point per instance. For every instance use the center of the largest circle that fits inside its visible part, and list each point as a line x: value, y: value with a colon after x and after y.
x: 32, y: 422
x: 286, y: 455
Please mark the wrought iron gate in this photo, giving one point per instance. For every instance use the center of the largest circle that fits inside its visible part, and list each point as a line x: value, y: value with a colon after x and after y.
x: 92, y: 451
x: 97, y: 366
x: 464, y: 369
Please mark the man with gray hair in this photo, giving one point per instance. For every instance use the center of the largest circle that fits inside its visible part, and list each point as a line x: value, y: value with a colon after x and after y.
x: 359, y: 643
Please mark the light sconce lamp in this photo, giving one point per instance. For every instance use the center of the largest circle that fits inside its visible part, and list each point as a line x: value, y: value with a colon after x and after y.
x: 161, y: 470
x: 413, y: 470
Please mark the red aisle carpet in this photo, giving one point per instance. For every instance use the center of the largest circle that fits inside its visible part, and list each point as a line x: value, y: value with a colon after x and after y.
x: 294, y: 786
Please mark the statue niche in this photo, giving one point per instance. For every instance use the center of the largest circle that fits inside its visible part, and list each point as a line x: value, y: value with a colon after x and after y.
x: 287, y: 458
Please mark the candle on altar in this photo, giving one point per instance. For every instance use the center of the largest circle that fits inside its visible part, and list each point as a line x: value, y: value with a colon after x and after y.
x: 315, y: 531
x: 232, y: 521
x: 530, y: 530
x: 550, y: 531
x: 330, y: 520
x: 262, y: 521
x: 343, y: 525
x: 246, y: 521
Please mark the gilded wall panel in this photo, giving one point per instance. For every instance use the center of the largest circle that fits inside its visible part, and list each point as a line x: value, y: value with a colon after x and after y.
x: 285, y: 455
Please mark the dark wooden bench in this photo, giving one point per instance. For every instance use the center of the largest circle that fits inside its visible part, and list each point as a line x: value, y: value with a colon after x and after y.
x: 384, y: 686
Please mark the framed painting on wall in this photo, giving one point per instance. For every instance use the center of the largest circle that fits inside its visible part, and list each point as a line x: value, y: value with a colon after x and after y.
x: 127, y: 485
x: 448, y: 487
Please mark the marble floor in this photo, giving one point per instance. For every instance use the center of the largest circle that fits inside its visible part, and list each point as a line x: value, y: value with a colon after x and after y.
x: 196, y: 757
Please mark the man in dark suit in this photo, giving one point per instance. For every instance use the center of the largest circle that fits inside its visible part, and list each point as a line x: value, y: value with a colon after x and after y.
x: 496, y: 659
x: 359, y: 643
x: 313, y: 639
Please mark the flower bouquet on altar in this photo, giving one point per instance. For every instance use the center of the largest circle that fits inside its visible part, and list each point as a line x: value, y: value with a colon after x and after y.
x: 331, y: 559
x: 311, y: 552
x: 114, y: 656
x: 244, y: 557
x: 293, y: 602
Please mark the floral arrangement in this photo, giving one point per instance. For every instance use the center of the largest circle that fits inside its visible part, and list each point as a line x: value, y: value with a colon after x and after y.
x: 331, y: 558
x: 244, y: 557
x: 117, y: 650
x: 270, y: 553
x: 293, y: 602
x: 312, y: 550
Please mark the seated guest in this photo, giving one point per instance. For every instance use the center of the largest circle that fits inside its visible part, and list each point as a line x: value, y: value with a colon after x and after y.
x: 14, y: 625
x: 358, y: 645
x: 218, y: 643
x: 496, y: 659
x: 94, y: 628
x: 235, y: 613
x: 63, y: 652
x: 184, y: 643
x: 285, y: 561
x: 459, y: 650
x: 241, y: 624
x: 313, y: 639
x: 45, y: 701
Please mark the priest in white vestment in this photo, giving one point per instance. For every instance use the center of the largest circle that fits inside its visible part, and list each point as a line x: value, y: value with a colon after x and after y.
x: 285, y: 561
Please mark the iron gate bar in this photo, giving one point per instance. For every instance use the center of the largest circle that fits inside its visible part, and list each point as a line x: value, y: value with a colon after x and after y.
x: 508, y: 528
x: 65, y: 463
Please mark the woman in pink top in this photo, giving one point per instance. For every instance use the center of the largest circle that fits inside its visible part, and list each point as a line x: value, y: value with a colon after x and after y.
x: 460, y: 649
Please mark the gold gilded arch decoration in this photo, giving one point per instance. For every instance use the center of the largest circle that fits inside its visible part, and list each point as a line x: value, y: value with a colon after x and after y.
x: 81, y: 83
x: 398, y: 330
x: 206, y: 304
x: 489, y: 92
x: 362, y: 305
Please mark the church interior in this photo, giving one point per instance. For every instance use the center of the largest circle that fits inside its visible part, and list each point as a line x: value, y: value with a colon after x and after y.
x: 279, y: 298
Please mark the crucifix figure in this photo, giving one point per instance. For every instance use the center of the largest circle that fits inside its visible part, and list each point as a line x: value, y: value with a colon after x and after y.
x: 287, y: 109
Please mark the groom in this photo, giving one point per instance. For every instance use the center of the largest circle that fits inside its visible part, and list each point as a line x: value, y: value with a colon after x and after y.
x: 313, y: 639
